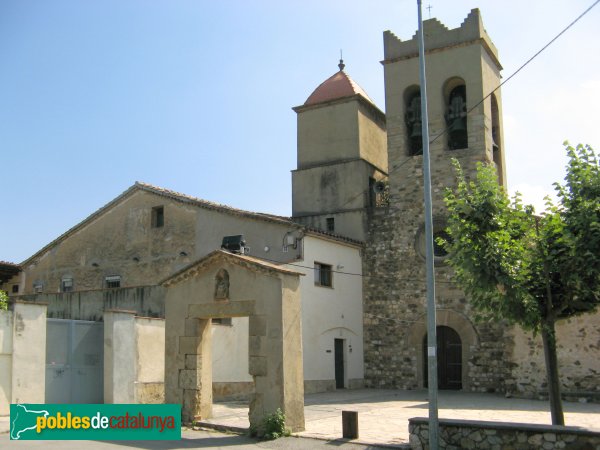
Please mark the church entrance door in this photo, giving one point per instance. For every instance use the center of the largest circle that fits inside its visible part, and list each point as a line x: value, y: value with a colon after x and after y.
x: 449, y: 360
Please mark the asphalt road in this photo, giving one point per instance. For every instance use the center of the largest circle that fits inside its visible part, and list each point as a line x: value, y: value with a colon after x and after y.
x: 190, y: 439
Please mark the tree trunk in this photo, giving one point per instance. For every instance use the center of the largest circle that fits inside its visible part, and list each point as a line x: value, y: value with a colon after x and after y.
x: 549, y: 340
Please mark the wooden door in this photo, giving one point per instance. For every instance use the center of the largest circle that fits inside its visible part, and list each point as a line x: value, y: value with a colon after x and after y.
x: 449, y: 359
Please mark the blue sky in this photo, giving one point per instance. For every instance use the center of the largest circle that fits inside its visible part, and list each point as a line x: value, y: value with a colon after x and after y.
x: 196, y: 96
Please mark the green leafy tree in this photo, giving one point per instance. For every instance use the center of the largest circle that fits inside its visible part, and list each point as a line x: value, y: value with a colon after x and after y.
x: 3, y: 300
x: 529, y: 270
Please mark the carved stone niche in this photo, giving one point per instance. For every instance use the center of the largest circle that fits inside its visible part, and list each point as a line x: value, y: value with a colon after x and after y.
x: 222, y: 285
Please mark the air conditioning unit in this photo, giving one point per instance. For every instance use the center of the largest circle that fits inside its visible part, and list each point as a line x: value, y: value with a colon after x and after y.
x: 235, y: 244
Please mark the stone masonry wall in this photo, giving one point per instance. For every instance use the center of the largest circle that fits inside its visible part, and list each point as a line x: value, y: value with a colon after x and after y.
x: 463, y: 434
x: 578, y: 347
x: 394, y: 262
x: 395, y: 315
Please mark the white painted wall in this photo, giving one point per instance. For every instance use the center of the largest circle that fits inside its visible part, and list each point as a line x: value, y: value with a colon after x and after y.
x: 327, y: 314
x: 330, y: 313
x: 6, y: 329
x: 230, y: 351
x: 119, y: 356
x: 29, y: 343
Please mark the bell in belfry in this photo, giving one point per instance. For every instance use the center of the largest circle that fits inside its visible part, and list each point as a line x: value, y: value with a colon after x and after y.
x: 414, y: 125
x: 456, y: 119
x: 416, y: 132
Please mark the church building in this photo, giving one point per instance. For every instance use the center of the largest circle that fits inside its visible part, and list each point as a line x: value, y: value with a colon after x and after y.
x: 355, y: 238
x: 360, y: 171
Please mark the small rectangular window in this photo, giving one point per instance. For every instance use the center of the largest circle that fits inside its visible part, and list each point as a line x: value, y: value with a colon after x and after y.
x: 38, y: 287
x: 113, y: 281
x: 222, y: 321
x: 66, y: 285
x: 15, y: 289
x: 331, y: 224
x: 158, y: 217
x: 323, y: 275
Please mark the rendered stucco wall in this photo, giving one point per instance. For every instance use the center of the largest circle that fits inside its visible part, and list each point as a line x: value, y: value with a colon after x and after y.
x: 339, y: 191
x: 328, y: 134
x: 146, y: 301
x: 122, y: 241
x: 150, y: 360
x: 6, y: 330
x: 330, y: 313
x: 29, y: 353
x: 231, y: 378
x: 119, y: 356
x: 134, y: 358
x: 327, y: 314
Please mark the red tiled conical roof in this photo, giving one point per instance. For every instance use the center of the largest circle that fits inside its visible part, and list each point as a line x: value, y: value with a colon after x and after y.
x: 339, y: 85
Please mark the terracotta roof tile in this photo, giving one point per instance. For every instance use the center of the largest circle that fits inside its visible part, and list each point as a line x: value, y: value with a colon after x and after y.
x: 339, y: 85
x: 182, y: 198
x: 198, y: 265
x: 211, y: 205
x: 6, y: 263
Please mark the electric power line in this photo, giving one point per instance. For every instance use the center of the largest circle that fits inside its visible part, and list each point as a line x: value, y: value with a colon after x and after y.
x: 444, y: 132
x: 377, y: 278
x: 496, y: 88
x: 523, y: 65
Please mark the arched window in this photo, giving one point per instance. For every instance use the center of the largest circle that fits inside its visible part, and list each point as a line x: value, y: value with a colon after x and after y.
x: 412, y: 118
x: 456, y: 114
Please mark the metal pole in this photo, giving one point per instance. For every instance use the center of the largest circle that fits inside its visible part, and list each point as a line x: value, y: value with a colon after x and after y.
x: 431, y: 322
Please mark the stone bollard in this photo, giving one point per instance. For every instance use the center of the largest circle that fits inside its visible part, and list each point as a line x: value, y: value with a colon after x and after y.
x: 350, y: 424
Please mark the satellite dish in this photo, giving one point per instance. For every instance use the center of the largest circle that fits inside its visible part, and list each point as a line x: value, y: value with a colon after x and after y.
x: 379, y: 187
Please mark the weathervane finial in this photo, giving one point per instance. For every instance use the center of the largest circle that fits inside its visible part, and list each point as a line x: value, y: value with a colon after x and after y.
x: 341, y: 65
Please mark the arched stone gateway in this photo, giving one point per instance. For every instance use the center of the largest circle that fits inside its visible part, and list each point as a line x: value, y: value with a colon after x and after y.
x: 457, y: 336
x: 270, y: 296
x: 449, y: 359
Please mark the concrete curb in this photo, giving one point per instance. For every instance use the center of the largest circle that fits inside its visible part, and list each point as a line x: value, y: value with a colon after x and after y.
x: 222, y: 428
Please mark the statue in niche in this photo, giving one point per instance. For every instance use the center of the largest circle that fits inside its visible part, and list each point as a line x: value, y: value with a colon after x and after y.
x: 222, y: 285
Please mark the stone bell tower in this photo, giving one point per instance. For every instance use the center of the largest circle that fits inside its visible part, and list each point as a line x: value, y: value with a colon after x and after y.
x: 462, y: 69
x: 341, y: 154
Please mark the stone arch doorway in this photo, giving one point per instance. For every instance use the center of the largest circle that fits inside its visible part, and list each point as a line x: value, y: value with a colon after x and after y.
x: 461, y: 325
x: 449, y: 359
x: 226, y: 285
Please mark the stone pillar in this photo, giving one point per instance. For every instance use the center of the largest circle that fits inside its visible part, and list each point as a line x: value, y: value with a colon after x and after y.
x: 29, y: 352
x: 119, y: 356
x: 195, y: 379
x: 275, y: 358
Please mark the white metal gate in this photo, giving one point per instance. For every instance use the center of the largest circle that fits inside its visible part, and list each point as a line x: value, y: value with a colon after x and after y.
x: 74, y: 361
